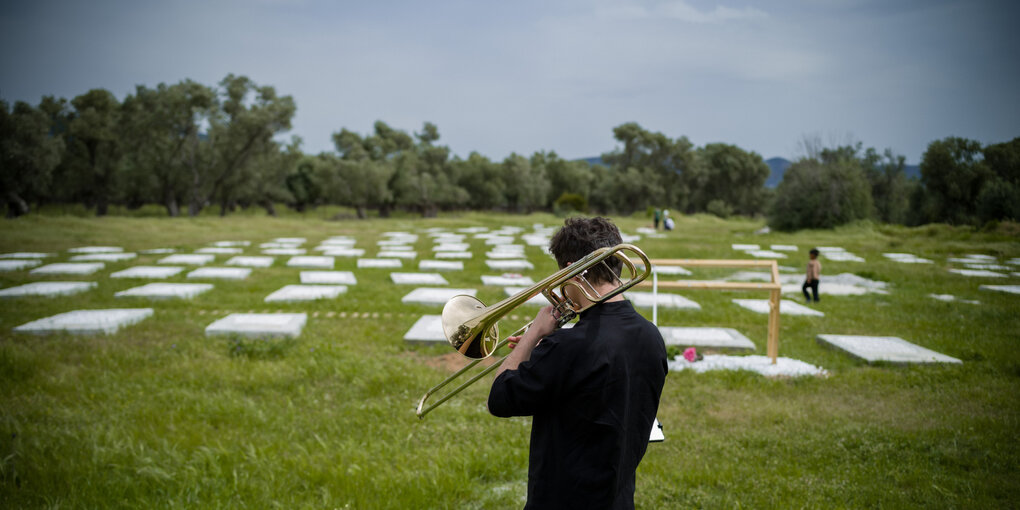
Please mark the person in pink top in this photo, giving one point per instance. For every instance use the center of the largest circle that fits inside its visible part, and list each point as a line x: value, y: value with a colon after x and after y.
x: 814, y: 272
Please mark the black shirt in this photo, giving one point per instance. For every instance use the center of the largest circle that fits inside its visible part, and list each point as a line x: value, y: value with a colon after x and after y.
x: 593, y: 391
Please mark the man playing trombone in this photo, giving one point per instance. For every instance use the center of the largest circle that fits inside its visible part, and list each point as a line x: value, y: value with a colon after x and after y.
x: 593, y: 390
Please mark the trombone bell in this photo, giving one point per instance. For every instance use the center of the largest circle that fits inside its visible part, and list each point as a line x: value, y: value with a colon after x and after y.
x: 460, y: 315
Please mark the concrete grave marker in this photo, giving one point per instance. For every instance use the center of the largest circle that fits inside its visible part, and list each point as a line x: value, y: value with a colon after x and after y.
x: 663, y: 300
x: 669, y: 270
x: 783, y: 247
x: 86, y: 322
x: 96, y: 249
x: 379, y: 263
x: 194, y: 259
x: 231, y: 244
x: 418, y: 279
x: 452, y: 247
x: 508, y: 280
x: 884, y: 348
x: 311, y: 262
x: 290, y: 240
x: 153, y: 272
x: 906, y: 258
x: 344, y: 252
x: 69, y: 268
x: 745, y: 247
x: 949, y: 298
x: 397, y: 255
x: 166, y: 290
x: 251, y: 261
x: 283, y: 251
x: 454, y: 255
x: 766, y: 254
x: 509, y: 265
x: 1012, y: 289
x: 328, y: 277
x: 221, y: 273
x: 842, y: 256
x: 786, y: 307
x: 290, y: 293
x: 259, y: 325
x: 505, y: 254
x: 984, y: 273
x: 282, y: 246
x: 220, y: 250
x: 993, y: 267
x: 434, y: 296
x: 26, y: 255
x: 980, y: 256
x: 440, y: 265
x: 158, y: 251
x: 15, y: 265
x: 711, y: 338
x: 103, y: 257
x: 785, y: 367
x: 48, y: 289
x: 427, y: 329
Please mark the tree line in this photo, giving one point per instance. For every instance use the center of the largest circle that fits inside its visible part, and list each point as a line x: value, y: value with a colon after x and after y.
x: 189, y: 146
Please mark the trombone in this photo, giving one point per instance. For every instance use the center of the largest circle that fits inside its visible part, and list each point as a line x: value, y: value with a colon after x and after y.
x: 472, y: 328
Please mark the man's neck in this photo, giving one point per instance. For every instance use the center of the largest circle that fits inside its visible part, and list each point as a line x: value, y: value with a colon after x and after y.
x: 602, y: 289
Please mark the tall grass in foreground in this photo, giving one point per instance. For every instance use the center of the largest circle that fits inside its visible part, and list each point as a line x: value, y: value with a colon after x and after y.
x: 160, y: 416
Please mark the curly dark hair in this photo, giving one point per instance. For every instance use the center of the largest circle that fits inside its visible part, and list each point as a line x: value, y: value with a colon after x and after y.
x: 581, y: 236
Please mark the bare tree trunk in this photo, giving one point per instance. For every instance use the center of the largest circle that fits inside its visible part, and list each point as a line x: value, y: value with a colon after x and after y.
x: 172, y: 209
x: 269, y: 207
x: 384, y: 211
x: 361, y: 212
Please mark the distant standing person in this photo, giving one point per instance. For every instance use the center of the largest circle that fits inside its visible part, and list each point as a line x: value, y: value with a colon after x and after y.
x: 658, y: 215
x: 814, y: 272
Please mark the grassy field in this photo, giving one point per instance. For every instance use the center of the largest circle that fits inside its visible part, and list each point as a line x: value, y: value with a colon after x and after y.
x: 160, y: 416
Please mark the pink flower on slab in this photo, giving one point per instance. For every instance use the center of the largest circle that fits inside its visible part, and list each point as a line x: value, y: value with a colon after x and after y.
x: 690, y: 354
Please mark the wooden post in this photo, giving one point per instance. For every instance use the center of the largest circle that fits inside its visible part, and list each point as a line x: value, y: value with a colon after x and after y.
x: 775, y: 297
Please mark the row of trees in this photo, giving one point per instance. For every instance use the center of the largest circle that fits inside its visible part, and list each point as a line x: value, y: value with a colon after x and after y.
x: 189, y: 146
x: 961, y: 183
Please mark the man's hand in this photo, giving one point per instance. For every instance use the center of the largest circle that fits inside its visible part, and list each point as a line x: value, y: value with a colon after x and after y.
x: 545, y: 322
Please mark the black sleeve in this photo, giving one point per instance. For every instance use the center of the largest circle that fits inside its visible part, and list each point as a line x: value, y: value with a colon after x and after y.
x: 529, y: 388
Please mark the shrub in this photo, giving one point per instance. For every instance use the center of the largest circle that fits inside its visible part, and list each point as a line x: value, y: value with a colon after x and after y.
x: 571, y: 202
x: 719, y: 208
x: 820, y: 195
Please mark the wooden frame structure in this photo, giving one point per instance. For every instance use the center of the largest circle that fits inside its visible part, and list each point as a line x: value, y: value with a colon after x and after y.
x: 774, y: 288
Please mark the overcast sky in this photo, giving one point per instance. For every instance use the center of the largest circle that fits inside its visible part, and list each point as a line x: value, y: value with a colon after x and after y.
x: 519, y: 76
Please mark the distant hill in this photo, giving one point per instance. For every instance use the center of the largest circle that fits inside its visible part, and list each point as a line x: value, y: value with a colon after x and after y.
x: 777, y: 167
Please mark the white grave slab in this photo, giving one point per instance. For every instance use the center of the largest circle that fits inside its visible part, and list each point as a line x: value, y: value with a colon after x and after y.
x: 418, y: 279
x: 663, y: 299
x: 949, y: 298
x: 96, y: 249
x: 221, y: 273
x: 536, y: 239
x: 157, y: 251
x: 166, y: 290
x: 282, y: 246
x: 290, y: 293
x: 220, y: 250
x: 884, y: 348
x: 394, y: 242
x: 980, y: 256
x: 344, y: 252
x: 69, y: 268
x: 505, y: 254
x: 259, y: 325
x: 15, y: 265
x: 427, y: 329
x: 452, y: 247
x: 397, y: 255
x: 194, y: 259
x: 766, y: 254
x: 785, y: 367
x: 311, y: 262
x: 712, y: 338
x: 472, y: 230
x: 536, y: 300
x: 434, y: 296
x: 745, y: 247
x: 328, y: 277
x: 283, y: 251
x: 401, y: 247
x: 290, y: 240
x: 379, y: 263
x: 982, y: 265
x: 906, y: 258
x: 153, y: 272
x: 440, y: 265
x: 103, y: 257
x: 339, y: 241
x: 842, y: 256
x: 231, y: 244
x: 830, y: 249
x: 85, y: 322
x: 497, y: 240
x: 669, y: 270
x: 509, y: 265
x: 454, y: 255
x: 508, y: 280
x: 251, y: 261
x: 1012, y: 289
x: 1014, y: 261
x: 48, y: 289
x: 26, y: 255
x: 786, y: 307
x: 784, y: 247
x: 984, y: 273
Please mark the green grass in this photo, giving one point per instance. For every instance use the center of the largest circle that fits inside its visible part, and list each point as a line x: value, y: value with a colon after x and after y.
x: 160, y: 416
